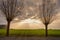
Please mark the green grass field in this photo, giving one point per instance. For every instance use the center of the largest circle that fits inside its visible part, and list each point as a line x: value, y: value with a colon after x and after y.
x: 33, y: 32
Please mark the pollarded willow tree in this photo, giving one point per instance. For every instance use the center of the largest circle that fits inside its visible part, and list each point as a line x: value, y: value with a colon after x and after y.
x: 47, y: 13
x: 11, y: 9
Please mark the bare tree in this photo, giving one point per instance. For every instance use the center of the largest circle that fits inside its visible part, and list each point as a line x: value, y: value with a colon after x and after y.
x: 47, y: 13
x: 10, y: 9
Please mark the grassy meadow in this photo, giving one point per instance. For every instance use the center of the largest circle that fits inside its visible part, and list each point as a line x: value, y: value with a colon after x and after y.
x: 30, y: 32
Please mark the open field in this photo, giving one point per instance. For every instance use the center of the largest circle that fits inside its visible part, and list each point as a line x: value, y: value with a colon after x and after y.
x: 32, y: 32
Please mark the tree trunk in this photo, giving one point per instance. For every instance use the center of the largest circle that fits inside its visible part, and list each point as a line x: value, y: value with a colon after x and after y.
x: 46, y: 30
x: 7, y: 30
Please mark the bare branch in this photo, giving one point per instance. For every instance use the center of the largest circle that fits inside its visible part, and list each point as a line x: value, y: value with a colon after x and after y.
x: 47, y: 11
x: 10, y: 8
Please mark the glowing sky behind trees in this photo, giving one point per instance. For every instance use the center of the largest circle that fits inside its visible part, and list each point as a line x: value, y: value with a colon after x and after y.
x: 31, y: 6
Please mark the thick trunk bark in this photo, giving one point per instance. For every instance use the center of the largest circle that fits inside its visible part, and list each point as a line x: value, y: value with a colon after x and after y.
x: 46, y: 30
x: 7, y: 30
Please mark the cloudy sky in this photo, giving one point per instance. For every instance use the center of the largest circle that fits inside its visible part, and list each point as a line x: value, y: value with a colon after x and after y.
x: 31, y: 6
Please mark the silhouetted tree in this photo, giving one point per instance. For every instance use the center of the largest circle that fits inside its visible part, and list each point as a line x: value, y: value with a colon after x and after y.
x: 11, y: 9
x: 47, y: 13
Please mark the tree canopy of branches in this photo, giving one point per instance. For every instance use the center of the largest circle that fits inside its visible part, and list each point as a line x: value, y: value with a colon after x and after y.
x: 47, y: 13
x: 11, y: 9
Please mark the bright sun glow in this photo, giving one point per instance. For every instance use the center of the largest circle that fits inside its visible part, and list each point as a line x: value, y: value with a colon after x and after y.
x: 30, y: 21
